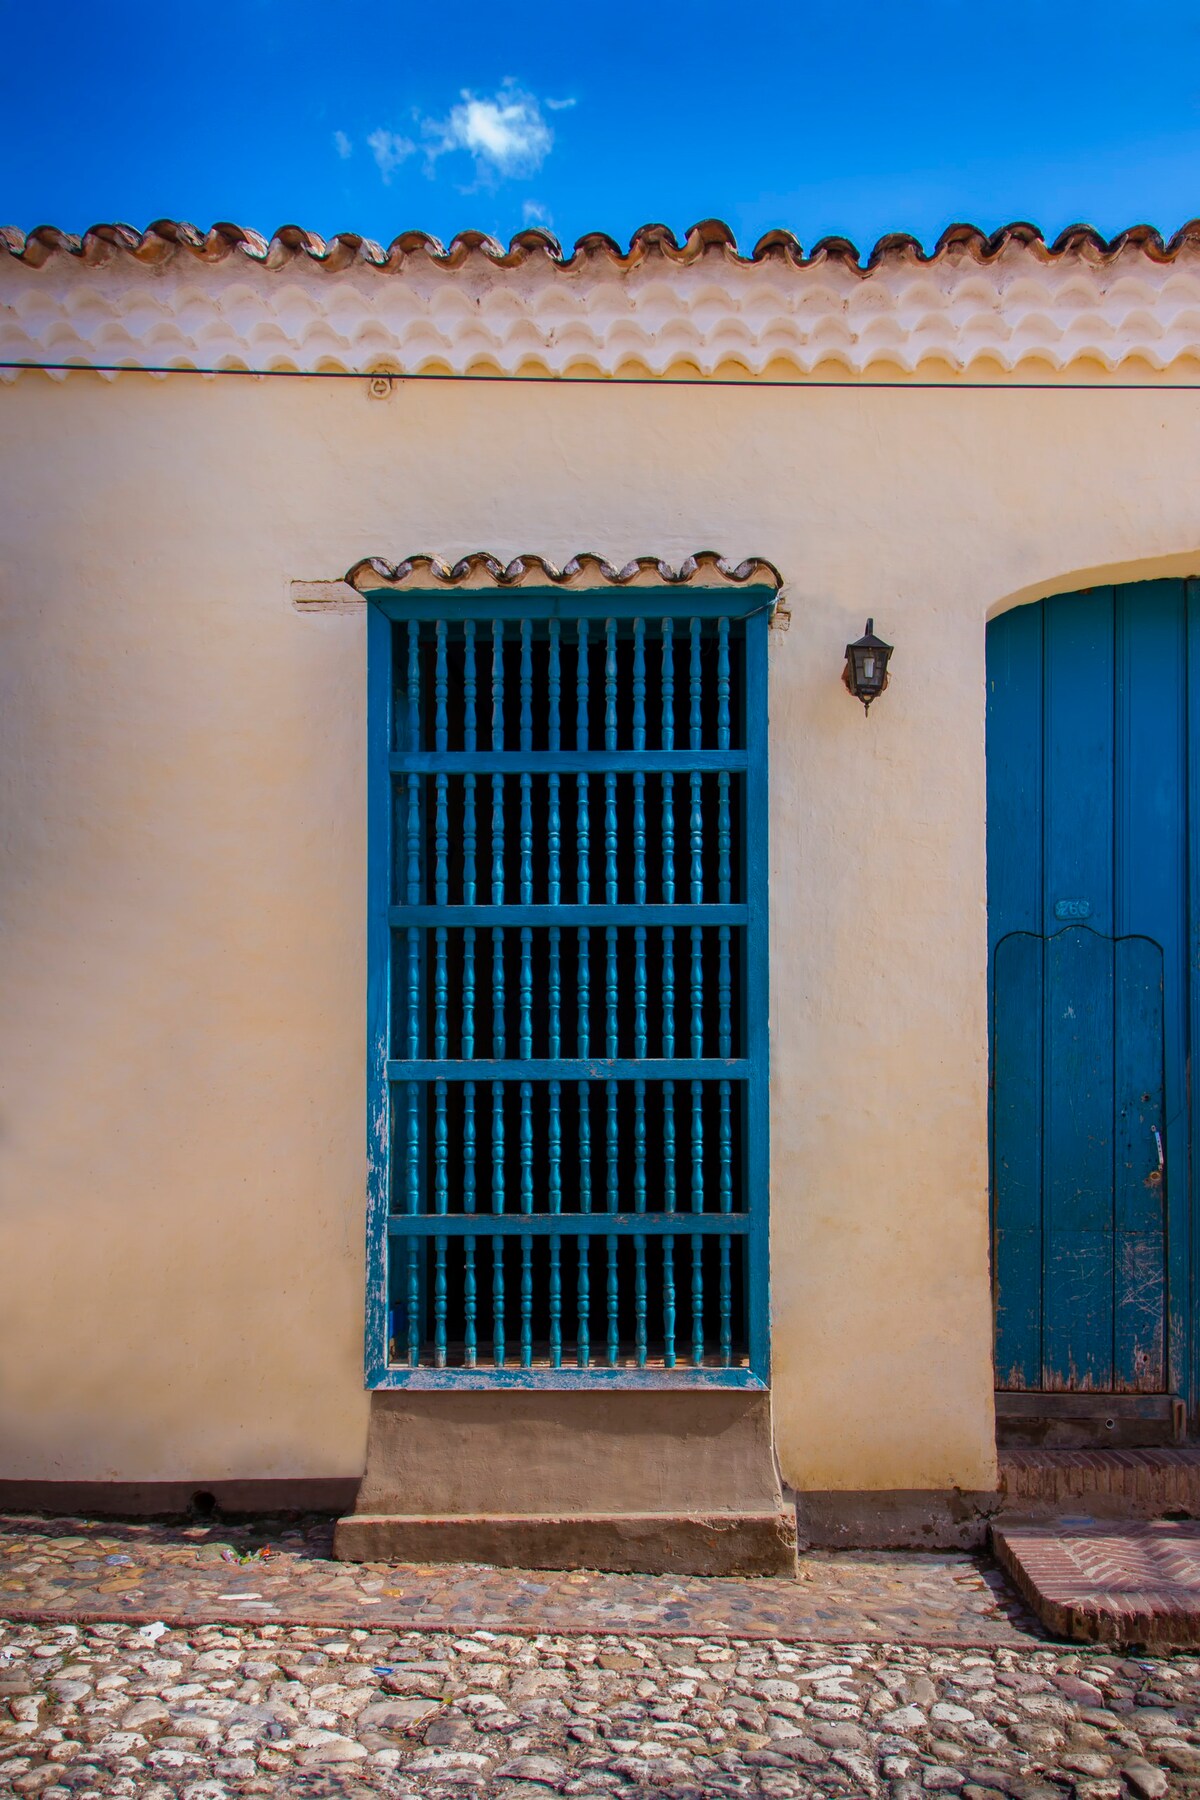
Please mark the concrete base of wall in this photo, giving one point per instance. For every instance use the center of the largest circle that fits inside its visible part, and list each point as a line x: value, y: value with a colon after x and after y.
x: 1034, y: 1485
x: 175, y: 1499
x: 895, y: 1519
x: 628, y: 1543
x: 651, y: 1482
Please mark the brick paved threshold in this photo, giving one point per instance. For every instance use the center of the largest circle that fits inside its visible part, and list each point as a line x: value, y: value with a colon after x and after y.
x: 281, y: 1572
x: 1136, y: 1483
x: 1120, y: 1582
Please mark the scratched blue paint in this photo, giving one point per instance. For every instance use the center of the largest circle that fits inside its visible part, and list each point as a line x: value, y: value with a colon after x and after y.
x: 525, y: 1029
x: 1094, y: 928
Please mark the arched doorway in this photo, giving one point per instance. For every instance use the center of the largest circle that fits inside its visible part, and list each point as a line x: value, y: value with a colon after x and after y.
x: 1093, y: 909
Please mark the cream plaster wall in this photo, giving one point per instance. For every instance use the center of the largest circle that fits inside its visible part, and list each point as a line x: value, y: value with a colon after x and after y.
x: 181, y: 1034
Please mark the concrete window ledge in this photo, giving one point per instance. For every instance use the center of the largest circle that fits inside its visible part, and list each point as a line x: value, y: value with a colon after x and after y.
x: 742, y: 1543
x: 651, y: 1483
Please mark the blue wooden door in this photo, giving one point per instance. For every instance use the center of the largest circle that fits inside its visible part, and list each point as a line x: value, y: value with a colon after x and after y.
x: 1091, y: 908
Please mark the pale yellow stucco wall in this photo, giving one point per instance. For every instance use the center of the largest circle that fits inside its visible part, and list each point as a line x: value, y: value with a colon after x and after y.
x: 181, y: 1034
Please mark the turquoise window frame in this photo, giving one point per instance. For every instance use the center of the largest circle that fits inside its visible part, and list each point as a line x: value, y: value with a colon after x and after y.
x: 388, y: 609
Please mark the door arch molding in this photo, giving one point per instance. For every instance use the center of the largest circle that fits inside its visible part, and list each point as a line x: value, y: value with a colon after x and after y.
x: 1169, y: 565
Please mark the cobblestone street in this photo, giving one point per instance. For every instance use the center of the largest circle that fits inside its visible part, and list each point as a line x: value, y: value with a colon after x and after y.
x: 199, y: 1711
x: 104, y: 1710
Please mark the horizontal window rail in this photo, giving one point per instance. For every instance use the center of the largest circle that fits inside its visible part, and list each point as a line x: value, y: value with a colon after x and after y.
x: 567, y: 606
x: 654, y: 1375
x: 566, y: 762
x: 596, y: 1069
x: 569, y: 1224
x: 560, y: 915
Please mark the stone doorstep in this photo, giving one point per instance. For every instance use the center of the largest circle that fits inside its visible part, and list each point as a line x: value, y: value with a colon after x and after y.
x: 727, y: 1543
x: 1127, y: 1582
x: 1133, y: 1483
x: 1142, y: 1483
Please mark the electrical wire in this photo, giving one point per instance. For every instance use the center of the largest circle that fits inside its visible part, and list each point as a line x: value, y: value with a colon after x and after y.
x: 851, y: 383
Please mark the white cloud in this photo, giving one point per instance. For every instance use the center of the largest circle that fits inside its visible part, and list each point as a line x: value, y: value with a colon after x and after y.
x: 506, y: 134
x: 389, y: 151
x: 343, y: 145
x: 534, y: 213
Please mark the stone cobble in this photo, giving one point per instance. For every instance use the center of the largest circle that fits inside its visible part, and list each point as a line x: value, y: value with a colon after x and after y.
x: 282, y: 1570
x: 126, y: 1712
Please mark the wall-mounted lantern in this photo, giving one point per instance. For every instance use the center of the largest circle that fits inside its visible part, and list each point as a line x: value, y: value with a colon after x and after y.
x: 866, y: 673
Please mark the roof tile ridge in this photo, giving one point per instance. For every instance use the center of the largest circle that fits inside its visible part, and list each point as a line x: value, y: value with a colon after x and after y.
x: 705, y: 237
x: 224, y: 238
x: 711, y: 237
x: 465, y: 244
x: 414, y: 242
x: 779, y: 245
x: 164, y: 238
x: 896, y: 245
x: 535, y: 240
x: 37, y: 246
x: 651, y: 240
x: 1028, y: 236
x: 962, y: 236
x: 1082, y: 239
x: 593, y: 246
x: 336, y: 253
x: 1187, y: 235
x: 837, y: 250
x: 1146, y: 238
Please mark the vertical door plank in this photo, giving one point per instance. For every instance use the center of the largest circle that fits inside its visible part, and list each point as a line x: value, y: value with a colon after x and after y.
x: 1151, y: 868
x: 1017, y: 1160
x: 1186, y: 1235
x: 1078, y: 868
x: 1078, y: 840
x: 1014, y: 772
x: 1014, y: 877
x: 1139, y: 1262
x: 1078, y: 1181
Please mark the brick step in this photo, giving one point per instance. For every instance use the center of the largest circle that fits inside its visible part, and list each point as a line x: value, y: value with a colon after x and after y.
x: 1131, y: 1582
x: 1114, y: 1484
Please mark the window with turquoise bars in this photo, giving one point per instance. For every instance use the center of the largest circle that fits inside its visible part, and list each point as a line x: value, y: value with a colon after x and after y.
x: 567, y: 988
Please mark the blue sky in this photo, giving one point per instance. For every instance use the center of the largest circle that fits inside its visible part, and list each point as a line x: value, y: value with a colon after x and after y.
x: 380, y: 115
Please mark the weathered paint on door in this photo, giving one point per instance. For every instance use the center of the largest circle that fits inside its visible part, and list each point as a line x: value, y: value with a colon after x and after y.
x: 1092, y: 911
x: 1080, y: 1245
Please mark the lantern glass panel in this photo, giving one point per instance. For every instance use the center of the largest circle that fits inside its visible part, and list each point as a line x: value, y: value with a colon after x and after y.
x: 869, y: 668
